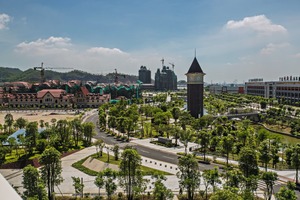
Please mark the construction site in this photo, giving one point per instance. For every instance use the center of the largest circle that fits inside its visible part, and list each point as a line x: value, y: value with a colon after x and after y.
x: 65, y: 94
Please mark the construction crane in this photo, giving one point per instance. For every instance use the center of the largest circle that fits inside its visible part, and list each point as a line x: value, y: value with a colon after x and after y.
x: 172, y: 64
x: 42, y: 69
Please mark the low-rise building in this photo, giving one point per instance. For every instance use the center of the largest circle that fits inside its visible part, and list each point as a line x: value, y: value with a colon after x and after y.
x: 231, y: 89
x: 287, y: 89
x: 84, y: 99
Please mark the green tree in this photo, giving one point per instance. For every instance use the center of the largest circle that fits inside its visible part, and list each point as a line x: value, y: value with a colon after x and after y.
x: 32, y: 184
x: 106, y: 179
x: 51, y: 169
x: 12, y: 144
x: 293, y: 159
x: 225, y: 194
x: 31, y: 135
x: 160, y: 191
x: 78, y: 186
x: 42, y: 123
x: 129, y: 124
x: 185, y: 138
x: 175, y: 114
x: 203, y: 140
x: 116, y: 150
x: 112, y: 122
x: 88, y: 132
x: 9, y: 121
x: 76, y: 129
x: 148, y: 130
x: 265, y: 153
x: 287, y: 192
x: 248, y: 162
x: 233, y: 178
x: 269, y: 178
x: 226, y: 144
x: 189, y: 175
x: 63, y: 131
x: 21, y: 122
x: 212, y: 177
x: 130, y: 175
x: 99, y: 144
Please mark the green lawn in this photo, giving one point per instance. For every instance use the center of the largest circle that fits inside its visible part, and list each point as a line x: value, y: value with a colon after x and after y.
x: 146, y: 170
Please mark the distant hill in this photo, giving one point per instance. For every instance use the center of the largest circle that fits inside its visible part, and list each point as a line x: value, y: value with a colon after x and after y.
x: 8, y: 72
x: 31, y: 75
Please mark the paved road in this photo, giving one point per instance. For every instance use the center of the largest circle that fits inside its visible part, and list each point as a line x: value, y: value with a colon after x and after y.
x: 142, y: 150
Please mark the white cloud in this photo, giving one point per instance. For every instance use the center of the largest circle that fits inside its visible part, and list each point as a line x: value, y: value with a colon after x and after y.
x: 297, y: 55
x: 51, y: 45
x: 259, y: 23
x: 105, y: 51
x: 4, y: 19
x: 270, y: 48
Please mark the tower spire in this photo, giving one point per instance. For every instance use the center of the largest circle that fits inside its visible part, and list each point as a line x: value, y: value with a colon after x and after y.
x: 195, y: 52
x: 162, y: 61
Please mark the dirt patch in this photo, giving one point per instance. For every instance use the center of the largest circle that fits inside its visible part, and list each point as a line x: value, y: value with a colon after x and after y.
x: 32, y: 116
x: 97, y: 165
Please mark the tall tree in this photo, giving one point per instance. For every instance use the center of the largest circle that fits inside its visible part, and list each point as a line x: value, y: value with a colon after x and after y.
x: 51, y: 169
x: 31, y: 135
x: 99, y: 144
x: 175, y: 114
x: 63, y: 131
x: 295, y: 160
x: 265, y: 155
x: 78, y: 186
x: 130, y: 175
x: 160, y: 191
x: 269, y: 178
x: 32, y: 184
x: 88, y: 132
x: 226, y: 144
x: 76, y: 129
x: 116, y: 150
x: 9, y: 121
x: 203, y: 140
x: 248, y: 162
x: 106, y: 179
x: 212, y: 177
x: 189, y: 175
x: 21, y: 122
x: 185, y: 138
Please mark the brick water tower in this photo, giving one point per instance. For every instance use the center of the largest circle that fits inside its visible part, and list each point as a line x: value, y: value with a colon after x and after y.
x: 195, y: 86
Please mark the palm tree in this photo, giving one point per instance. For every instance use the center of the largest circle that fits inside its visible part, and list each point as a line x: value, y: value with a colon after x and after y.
x: 9, y: 120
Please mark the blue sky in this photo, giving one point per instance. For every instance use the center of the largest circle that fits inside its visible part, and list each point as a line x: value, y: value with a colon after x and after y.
x: 235, y: 39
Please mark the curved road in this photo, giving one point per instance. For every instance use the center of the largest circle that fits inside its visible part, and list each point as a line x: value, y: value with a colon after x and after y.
x: 142, y: 150
x: 157, y: 154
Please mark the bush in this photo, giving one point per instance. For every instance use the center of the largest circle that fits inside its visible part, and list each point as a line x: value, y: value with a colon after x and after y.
x: 41, y: 145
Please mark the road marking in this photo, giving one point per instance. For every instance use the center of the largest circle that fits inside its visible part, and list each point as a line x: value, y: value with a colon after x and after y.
x: 145, y: 151
x: 168, y: 157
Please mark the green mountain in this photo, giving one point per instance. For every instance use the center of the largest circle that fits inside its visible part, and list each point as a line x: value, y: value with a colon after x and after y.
x: 31, y: 75
x: 8, y: 72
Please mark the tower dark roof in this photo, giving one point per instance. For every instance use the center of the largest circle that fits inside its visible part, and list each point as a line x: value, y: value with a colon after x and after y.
x: 195, y: 67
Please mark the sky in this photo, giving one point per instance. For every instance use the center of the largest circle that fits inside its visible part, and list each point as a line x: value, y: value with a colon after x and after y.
x: 233, y: 40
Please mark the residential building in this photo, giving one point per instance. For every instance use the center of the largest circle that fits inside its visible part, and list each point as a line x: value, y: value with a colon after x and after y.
x: 165, y: 79
x: 145, y: 75
x: 84, y: 99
